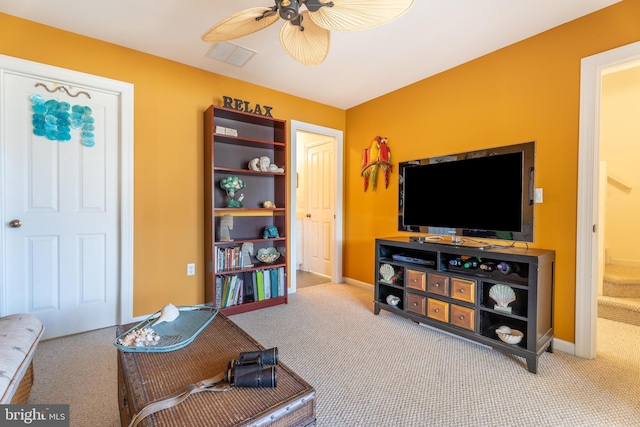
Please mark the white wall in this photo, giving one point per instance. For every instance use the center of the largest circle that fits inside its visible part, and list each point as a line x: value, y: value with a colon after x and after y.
x: 620, y: 149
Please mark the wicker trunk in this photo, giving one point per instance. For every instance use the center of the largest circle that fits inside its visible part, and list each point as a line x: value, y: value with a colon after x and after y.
x: 144, y: 377
x: 22, y: 393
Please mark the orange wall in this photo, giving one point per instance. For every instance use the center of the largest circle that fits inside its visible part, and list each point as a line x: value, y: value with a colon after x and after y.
x: 527, y: 91
x: 170, y: 99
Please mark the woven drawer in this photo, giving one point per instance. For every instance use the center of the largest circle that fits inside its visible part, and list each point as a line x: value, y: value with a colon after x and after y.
x: 417, y: 280
x: 416, y: 304
x: 438, y: 284
x: 463, y: 317
x: 438, y: 310
x: 463, y: 290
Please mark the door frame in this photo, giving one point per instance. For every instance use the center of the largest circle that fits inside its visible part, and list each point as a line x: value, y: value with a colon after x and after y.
x: 124, y: 91
x: 588, y: 221
x: 336, y: 251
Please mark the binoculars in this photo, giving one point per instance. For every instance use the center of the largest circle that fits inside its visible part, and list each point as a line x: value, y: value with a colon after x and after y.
x: 251, y: 370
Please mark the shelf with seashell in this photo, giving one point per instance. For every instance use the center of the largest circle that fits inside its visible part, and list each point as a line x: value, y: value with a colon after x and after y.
x: 391, y: 274
x: 391, y: 296
x: 491, y: 325
x: 506, y: 299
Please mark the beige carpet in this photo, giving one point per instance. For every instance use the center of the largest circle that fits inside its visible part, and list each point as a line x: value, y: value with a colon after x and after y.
x: 383, y: 370
x: 304, y: 279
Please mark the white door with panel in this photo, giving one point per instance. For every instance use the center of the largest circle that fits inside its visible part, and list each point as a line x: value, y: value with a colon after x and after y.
x: 61, y: 210
x: 320, y: 177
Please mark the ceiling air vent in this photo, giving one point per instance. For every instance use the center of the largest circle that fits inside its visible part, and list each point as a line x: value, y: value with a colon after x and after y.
x: 230, y: 53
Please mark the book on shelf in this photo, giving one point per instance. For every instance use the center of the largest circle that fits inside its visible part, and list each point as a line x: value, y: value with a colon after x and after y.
x: 254, y: 283
x: 228, y: 289
x: 231, y: 290
x: 219, y: 291
x: 224, y: 292
x: 260, y: 285
x: 247, y: 279
x: 282, y: 281
x: 249, y: 286
x: 227, y: 259
x: 267, y: 284
x: 274, y: 282
x: 237, y: 295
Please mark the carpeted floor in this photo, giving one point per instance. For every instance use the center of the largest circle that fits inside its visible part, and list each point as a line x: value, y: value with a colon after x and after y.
x: 383, y: 370
x: 304, y: 279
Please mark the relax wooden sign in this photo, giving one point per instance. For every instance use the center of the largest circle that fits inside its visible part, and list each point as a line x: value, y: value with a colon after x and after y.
x: 245, y: 106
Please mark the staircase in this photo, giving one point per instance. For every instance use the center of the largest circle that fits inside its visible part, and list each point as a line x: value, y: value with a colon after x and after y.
x: 621, y: 294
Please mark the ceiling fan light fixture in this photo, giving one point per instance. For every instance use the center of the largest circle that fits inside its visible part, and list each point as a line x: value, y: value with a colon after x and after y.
x: 289, y: 9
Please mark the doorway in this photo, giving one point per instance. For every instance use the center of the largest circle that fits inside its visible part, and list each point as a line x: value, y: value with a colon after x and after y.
x: 619, y: 275
x: 66, y: 204
x: 588, y: 222
x: 325, y: 144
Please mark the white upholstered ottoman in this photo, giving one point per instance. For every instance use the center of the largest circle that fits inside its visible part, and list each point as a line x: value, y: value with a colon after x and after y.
x: 19, y: 336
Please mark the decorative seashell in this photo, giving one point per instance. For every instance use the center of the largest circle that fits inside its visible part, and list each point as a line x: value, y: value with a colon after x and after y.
x: 169, y: 313
x: 267, y: 255
x: 513, y: 338
x: 253, y: 164
x: 504, y: 329
x: 140, y: 337
x: 387, y: 273
x: 274, y: 168
x: 502, y: 295
x: 393, y: 300
x: 264, y: 163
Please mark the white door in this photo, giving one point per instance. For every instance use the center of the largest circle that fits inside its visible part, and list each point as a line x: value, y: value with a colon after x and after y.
x: 320, y: 178
x: 61, y: 211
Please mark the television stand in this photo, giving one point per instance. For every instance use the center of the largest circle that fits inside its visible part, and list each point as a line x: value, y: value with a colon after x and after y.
x: 472, y: 292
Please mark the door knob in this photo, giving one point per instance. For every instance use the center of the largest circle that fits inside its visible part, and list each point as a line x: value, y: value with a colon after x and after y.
x: 308, y: 215
x: 16, y: 223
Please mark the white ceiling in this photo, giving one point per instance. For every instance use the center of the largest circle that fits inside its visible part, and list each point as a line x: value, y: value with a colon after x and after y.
x: 433, y: 36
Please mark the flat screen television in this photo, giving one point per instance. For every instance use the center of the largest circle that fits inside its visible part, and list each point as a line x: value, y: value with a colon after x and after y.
x: 483, y: 194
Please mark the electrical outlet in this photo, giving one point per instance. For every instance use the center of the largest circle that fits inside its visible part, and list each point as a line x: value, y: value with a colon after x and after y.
x: 191, y: 269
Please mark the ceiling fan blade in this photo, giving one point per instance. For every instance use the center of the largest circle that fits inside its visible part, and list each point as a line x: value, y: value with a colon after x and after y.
x: 240, y: 24
x: 355, y: 15
x: 308, y: 47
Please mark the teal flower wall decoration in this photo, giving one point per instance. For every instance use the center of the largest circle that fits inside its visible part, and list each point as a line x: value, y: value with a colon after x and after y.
x: 54, y: 120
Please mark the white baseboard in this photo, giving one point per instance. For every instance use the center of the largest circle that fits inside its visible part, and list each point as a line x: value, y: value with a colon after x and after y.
x: 626, y: 262
x: 564, y: 346
x: 358, y: 283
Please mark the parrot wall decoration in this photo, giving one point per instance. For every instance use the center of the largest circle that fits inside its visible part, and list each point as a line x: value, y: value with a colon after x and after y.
x: 377, y: 156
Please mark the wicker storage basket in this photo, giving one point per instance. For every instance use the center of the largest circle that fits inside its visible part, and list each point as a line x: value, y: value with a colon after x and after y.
x: 144, y: 377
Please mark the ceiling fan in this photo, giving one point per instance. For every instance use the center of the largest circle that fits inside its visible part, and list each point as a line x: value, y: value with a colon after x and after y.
x: 306, y: 33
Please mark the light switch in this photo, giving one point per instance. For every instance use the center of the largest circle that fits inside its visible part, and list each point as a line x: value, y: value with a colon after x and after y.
x: 537, y: 195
